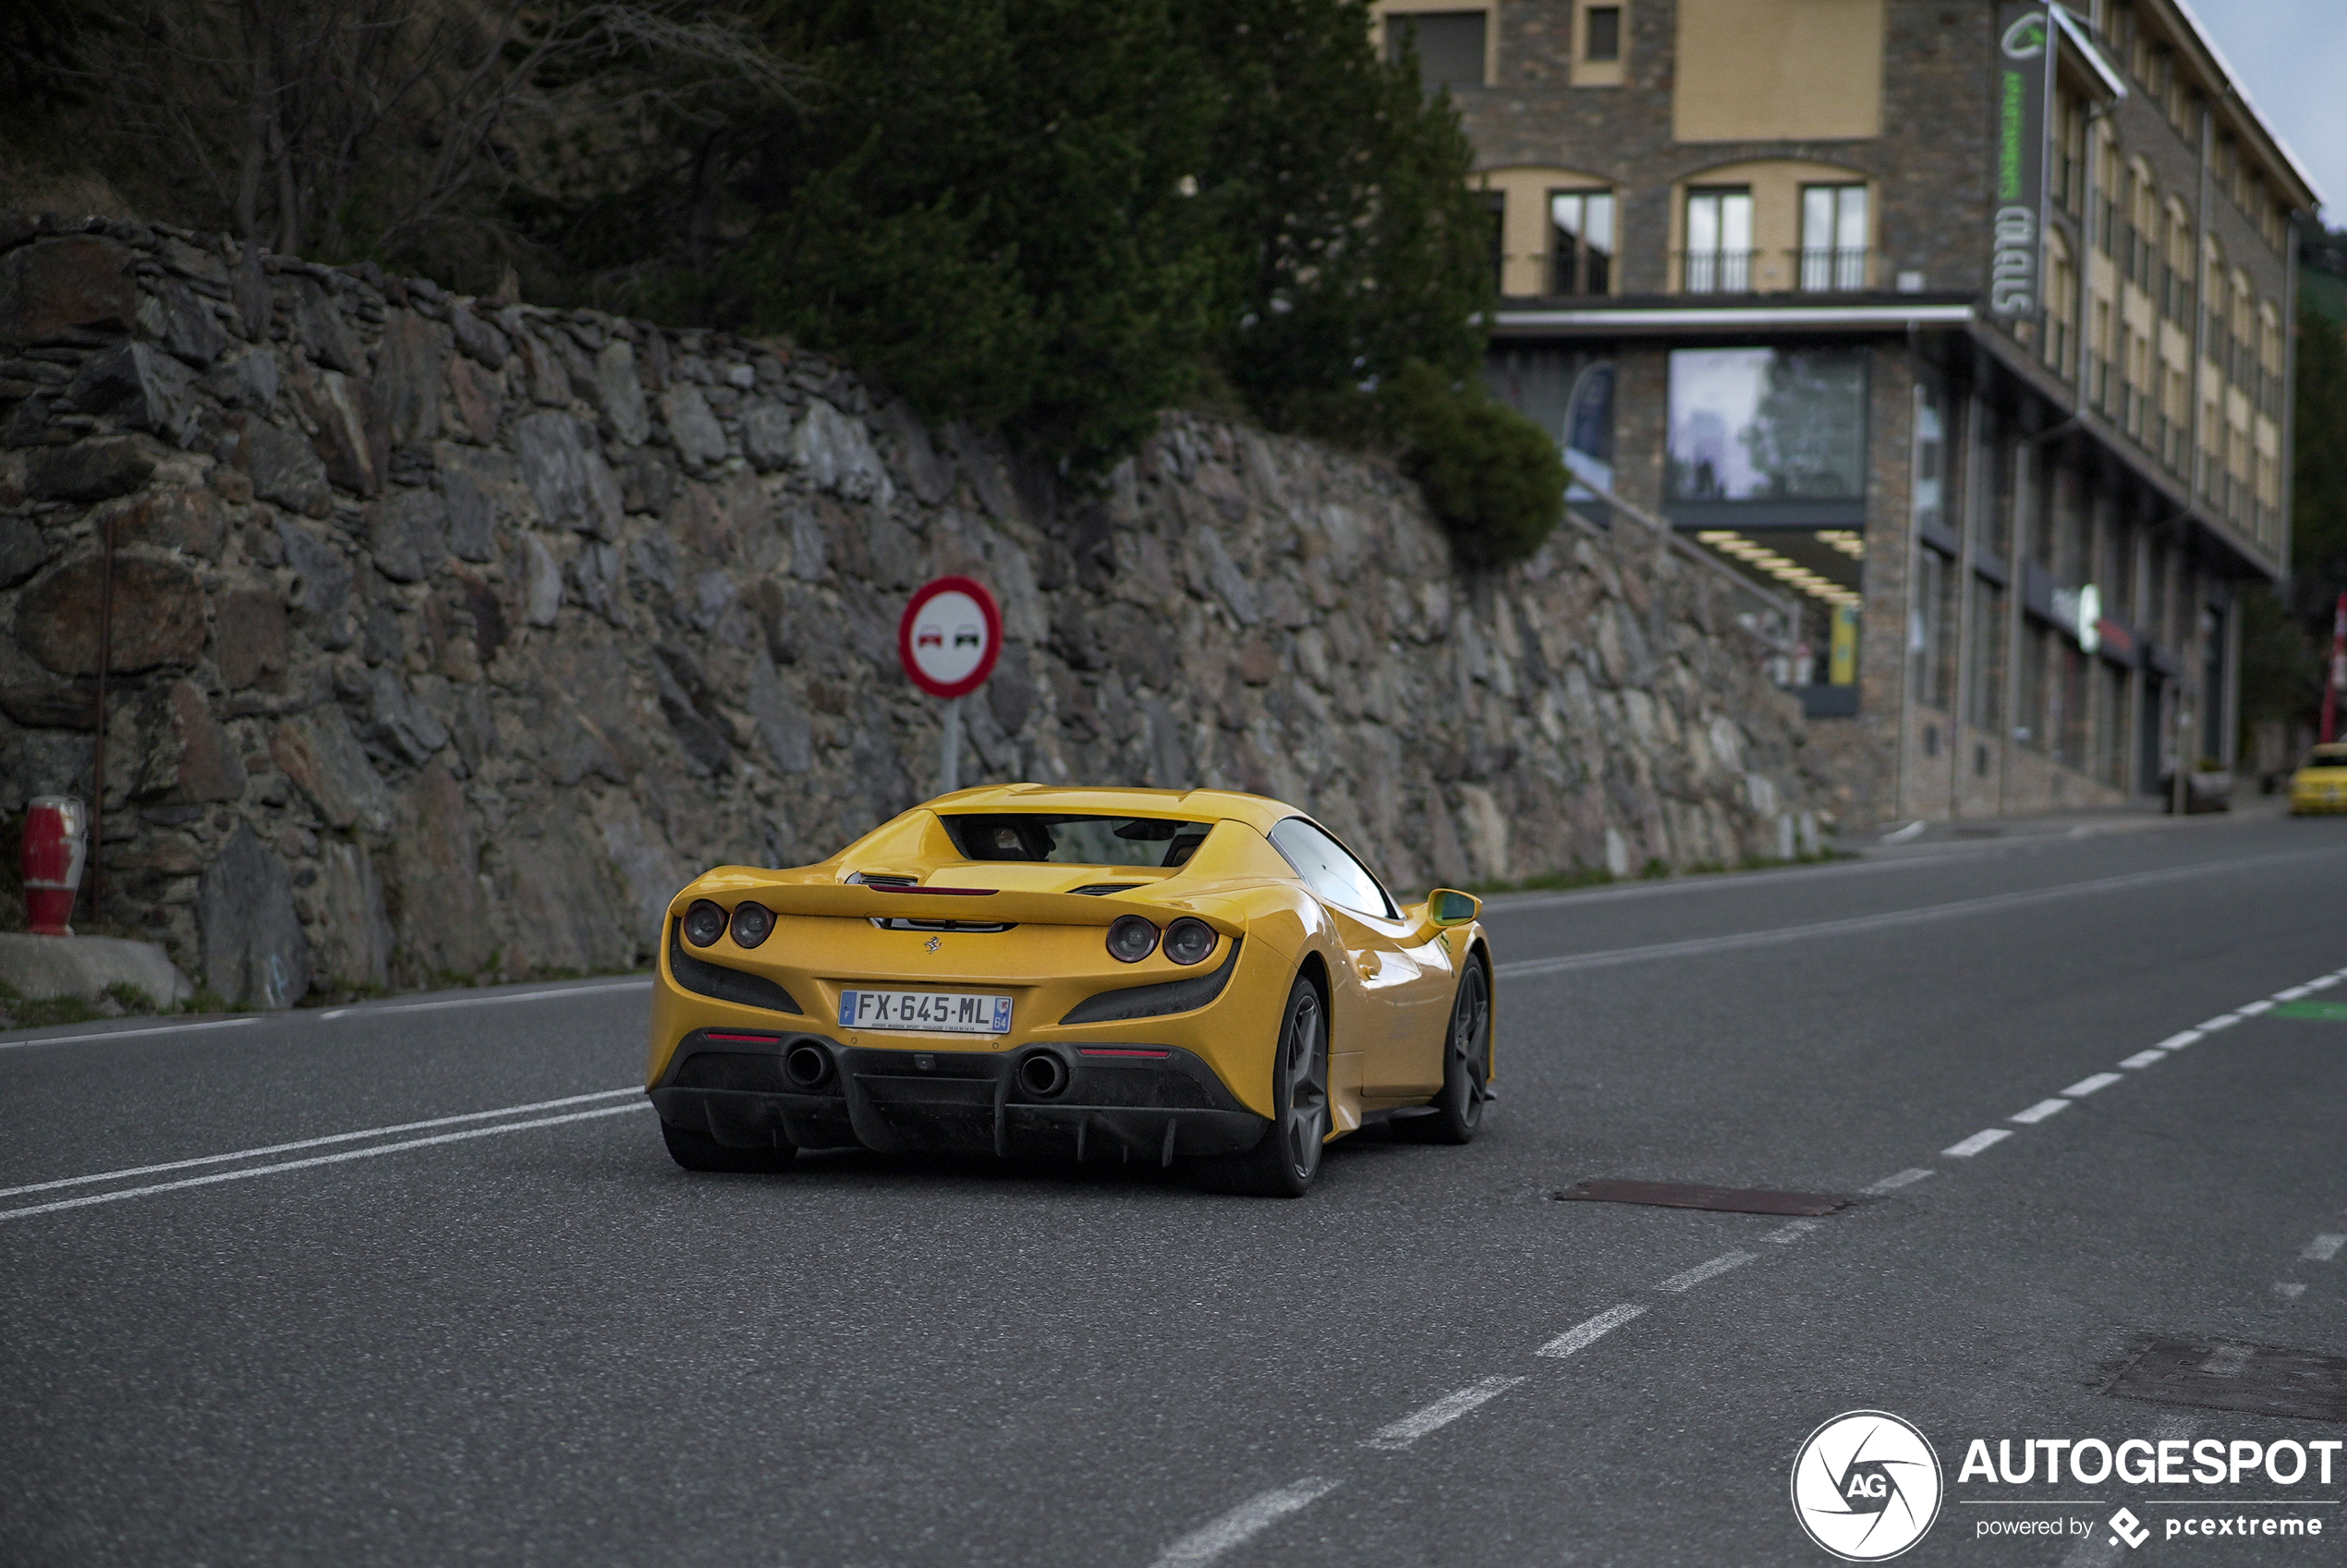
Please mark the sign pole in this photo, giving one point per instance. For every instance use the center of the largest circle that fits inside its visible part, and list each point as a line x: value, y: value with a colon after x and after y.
x: 949, y: 640
x: 949, y: 762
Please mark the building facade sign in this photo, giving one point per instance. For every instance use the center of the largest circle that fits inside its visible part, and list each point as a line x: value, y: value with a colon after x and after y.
x: 2025, y: 72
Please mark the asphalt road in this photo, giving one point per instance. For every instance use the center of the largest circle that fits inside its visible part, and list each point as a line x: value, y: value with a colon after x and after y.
x: 516, y: 1333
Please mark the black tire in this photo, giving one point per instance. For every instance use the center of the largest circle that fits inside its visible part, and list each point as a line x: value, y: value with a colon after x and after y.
x: 698, y: 1152
x: 1457, y: 1112
x: 1285, y: 1162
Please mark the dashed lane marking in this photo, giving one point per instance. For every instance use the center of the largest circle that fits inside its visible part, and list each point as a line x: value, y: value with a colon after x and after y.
x: 1792, y: 1230
x: 2142, y: 1059
x: 2042, y: 1110
x: 368, y: 1153
x: 2288, y: 1291
x: 2294, y: 993
x: 2085, y: 1087
x: 317, y: 1142
x: 2178, y: 1040
x: 2221, y: 1021
x: 2322, y: 1249
x: 1243, y: 1523
x: 1893, y: 1183
x: 1988, y: 1138
x: 2251, y: 1009
x: 1582, y: 1335
x: 1703, y: 1272
x: 128, y: 1034
x: 1442, y: 1412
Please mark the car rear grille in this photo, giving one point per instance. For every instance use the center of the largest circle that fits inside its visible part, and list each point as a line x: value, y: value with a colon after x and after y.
x: 1156, y: 1000
x: 736, y: 1070
x: 726, y: 985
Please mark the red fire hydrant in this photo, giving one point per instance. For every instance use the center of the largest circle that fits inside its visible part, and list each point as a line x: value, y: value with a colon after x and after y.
x: 57, y: 841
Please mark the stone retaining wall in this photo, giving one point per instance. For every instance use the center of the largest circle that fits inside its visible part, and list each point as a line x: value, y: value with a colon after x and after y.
x: 450, y: 637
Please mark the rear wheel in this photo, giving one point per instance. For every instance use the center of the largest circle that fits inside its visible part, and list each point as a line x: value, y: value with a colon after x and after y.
x: 1285, y: 1164
x: 1457, y: 1112
x: 698, y: 1152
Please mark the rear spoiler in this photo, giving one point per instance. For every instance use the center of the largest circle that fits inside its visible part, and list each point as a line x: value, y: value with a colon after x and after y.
x: 867, y: 901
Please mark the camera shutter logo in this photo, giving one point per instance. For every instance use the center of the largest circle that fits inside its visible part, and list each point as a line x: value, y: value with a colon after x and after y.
x: 1867, y: 1486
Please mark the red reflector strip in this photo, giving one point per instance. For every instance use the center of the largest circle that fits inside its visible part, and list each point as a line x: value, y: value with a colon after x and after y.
x: 1104, y: 1051
x: 948, y: 892
x: 747, y: 1040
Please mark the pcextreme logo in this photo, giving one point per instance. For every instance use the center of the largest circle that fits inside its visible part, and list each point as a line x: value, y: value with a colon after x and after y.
x: 1867, y: 1486
x: 2026, y: 40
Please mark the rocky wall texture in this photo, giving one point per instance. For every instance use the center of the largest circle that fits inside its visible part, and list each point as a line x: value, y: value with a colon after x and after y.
x: 449, y: 639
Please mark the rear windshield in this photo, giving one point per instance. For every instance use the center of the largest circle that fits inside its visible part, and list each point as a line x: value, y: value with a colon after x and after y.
x: 2325, y: 757
x: 1075, y: 841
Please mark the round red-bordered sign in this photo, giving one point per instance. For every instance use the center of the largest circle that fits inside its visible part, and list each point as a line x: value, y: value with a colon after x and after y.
x: 950, y: 637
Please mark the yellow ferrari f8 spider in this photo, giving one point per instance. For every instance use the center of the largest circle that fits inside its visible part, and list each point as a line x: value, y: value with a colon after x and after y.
x: 1159, y: 975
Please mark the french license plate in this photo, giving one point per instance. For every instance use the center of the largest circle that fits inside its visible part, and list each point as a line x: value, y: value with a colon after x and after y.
x: 947, y: 1012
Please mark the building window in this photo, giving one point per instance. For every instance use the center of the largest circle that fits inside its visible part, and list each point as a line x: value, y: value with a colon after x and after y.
x: 1719, y: 253
x: 1984, y: 646
x: 1581, y: 242
x: 1495, y: 218
x: 1763, y: 424
x: 1834, y: 237
x: 1449, y: 45
x: 1929, y: 646
x: 1601, y: 34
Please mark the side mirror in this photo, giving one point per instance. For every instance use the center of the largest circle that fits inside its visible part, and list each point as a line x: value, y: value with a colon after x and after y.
x: 1446, y: 908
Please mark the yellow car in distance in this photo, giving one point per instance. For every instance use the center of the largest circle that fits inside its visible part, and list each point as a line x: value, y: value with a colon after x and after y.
x: 1199, y: 976
x: 2320, y: 782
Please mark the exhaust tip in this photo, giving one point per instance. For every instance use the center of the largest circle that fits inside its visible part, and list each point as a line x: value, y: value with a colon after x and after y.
x: 807, y: 1065
x: 1043, y: 1074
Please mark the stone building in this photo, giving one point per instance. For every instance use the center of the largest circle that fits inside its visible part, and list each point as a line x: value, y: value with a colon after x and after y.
x: 1967, y: 321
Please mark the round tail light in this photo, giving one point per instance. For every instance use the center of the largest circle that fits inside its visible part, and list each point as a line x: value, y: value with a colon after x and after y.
x: 752, y: 924
x: 1131, y: 939
x: 704, y: 923
x: 1188, y: 940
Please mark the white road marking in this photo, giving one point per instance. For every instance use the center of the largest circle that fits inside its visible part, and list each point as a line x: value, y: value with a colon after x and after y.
x: 2145, y: 1058
x: 1792, y: 1230
x: 1442, y: 1412
x: 2251, y: 1009
x: 2322, y: 1249
x: 2221, y: 1021
x: 369, y: 1154
x: 2287, y: 1290
x: 1986, y: 1138
x: 371, y: 1010
x: 1563, y: 963
x: 2042, y: 1110
x: 2292, y: 994
x: 1243, y: 1523
x: 2178, y: 1041
x: 1703, y: 1272
x: 128, y: 1034
x: 2320, y: 982
x: 1893, y: 1183
x: 2089, y: 1086
x: 1582, y: 1335
x: 318, y: 1142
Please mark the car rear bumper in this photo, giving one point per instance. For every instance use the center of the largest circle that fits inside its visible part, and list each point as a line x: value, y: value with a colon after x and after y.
x: 1145, y: 1101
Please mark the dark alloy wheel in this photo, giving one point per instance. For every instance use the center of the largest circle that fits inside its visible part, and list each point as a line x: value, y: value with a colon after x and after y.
x: 1285, y: 1162
x: 698, y: 1152
x: 1466, y: 1066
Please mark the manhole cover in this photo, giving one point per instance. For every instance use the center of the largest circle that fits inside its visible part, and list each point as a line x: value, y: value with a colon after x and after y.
x: 2328, y: 1012
x: 1688, y: 1195
x: 2228, y: 1375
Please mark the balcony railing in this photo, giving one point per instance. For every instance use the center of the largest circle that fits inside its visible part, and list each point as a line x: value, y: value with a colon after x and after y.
x: 1832, y: 271
x: 1716, y: 272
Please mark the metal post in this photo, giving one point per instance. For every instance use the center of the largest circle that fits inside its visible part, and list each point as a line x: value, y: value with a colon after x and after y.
x: 2183, y: 743
x: 2330, y: 676
x: 949, y: 760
